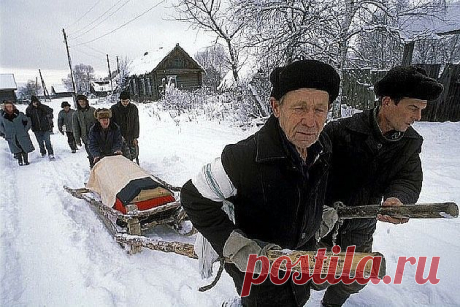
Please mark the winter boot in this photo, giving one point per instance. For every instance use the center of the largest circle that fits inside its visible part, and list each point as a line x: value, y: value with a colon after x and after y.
x: 20, y: 162
x: 25, y: 158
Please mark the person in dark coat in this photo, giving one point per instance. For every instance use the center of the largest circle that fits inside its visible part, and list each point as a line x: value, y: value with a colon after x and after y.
x: 65, y: 124
x: 104, y: 136
x: 126, y: 115
x: 376, y: 160
x: 41, y: 117
x: 275, y: 179
x: 15, y: 126
x: 82, y: 120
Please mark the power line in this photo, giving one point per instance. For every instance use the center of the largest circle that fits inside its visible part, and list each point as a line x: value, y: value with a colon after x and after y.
x: 97, y: 18
x: 102, y: 20
x: 85, y: 14
x: 126, y: 23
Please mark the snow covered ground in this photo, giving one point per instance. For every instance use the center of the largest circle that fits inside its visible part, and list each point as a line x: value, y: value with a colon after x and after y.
x: 56, y: 252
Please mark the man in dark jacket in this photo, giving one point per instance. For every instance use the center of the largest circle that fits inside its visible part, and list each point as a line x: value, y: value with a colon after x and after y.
x: 104, y: 136
x: 82, y: 120
x: 376, y: 158
x: 65, y: 124
x: 41, y: 117
x: 126, y: 115
x: 276, y: 180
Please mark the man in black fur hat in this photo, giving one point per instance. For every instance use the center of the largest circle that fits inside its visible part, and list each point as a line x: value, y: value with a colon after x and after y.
x: 275, y: 179
x: 376, y: 160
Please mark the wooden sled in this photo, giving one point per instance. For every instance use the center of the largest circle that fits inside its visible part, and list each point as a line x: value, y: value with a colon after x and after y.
x: 129, y: 228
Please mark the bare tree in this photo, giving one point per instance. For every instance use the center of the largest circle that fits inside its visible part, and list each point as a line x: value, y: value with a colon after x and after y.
x: 215, y: 63
x: 31, y: 88
x: 214, y: 16
x: 83, y: 75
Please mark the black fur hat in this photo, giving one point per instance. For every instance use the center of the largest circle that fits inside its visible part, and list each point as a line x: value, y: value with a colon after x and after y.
x: 408, y: 81
x: 34, y: 98
x: 65, y: 104
x: 305, y: 74
x: 124, y: 95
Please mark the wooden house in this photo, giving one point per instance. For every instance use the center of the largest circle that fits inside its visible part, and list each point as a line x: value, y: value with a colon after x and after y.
x: 7, y: 87
x: 100, y: 88
x: 60, y: 91
x: 151, y: 73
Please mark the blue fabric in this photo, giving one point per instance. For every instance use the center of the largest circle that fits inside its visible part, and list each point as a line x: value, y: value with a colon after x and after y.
x: 43, y: 139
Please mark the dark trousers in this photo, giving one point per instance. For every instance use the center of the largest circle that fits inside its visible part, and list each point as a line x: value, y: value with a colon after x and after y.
x: 268, y: 294
x: 353, y: 232
x: 90, y: 157
x: 43, y: 139
x: 71, y: 140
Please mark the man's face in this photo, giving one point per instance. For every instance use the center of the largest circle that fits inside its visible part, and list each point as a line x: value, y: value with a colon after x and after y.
x: 401, y: 116
x: 35, y: 103
x: 82, y: 103
x: 302, y: 115
x: 124, y: 102
x: 9, y: 108
x: 66, y: 108
x: 104, y: 122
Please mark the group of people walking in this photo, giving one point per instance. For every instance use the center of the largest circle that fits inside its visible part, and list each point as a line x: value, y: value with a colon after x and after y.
x: 102, y: 132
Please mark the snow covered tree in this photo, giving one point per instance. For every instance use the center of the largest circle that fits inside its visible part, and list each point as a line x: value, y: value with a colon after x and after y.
x: 215, y: 63
x: 215, y: 16
x: 83, y: 75
x: 31, y: 88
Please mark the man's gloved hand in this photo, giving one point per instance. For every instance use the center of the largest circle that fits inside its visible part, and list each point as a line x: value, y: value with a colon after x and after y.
x: 237, y: 248
x: 330, y: 217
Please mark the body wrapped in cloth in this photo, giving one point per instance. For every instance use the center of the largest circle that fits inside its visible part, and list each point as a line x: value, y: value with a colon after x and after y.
x: 121, y: 182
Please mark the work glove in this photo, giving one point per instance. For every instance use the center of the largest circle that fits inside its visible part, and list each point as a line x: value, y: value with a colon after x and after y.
x: 238, y: 247
x: 330, y: 217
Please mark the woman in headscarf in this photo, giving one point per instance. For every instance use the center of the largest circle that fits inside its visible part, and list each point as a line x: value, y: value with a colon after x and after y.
x: 15, y: 126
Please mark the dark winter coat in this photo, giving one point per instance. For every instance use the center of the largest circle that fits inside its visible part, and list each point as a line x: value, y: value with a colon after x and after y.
x: 65, y: 119
x: 16, y: 127
x: 278, y: 199
x: 41, y: 117
x: 367, y: 168
x: 128, y: 120
x: 82, y: 120
x: 104, y: 142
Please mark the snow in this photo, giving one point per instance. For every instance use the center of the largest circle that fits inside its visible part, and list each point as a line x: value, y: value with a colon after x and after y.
x: 7, y: 82
x: 56, y: 252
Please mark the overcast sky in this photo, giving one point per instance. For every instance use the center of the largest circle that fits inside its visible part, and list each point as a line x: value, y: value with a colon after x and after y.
x: 31, y: 34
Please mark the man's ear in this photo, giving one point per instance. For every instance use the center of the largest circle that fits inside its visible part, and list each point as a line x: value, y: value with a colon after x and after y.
x: 386, y: 101
x: 275, y: 106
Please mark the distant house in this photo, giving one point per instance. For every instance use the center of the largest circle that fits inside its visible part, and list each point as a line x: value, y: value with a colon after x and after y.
x: 60, y: 91
x: 7, y: 87
x: 100, y: 88
x: 149, y: 74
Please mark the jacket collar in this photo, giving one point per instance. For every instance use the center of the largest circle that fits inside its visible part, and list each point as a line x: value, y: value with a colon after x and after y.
x: 269, y: 143
x: 364, y: 122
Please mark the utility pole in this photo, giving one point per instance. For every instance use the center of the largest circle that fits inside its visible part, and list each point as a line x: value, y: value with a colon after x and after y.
x: 71, y: 70
x: 118, y: 68
x: 45, y: 91
x: 36, y: 85
x: 110, y: 75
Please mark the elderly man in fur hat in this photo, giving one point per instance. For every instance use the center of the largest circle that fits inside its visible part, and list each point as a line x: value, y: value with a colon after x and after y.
x: 104, y: 136
x: 275, y: 179
x: 376, y: 160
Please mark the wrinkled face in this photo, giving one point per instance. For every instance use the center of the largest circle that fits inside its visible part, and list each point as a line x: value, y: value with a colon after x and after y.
x: 104, y: 122
x: 9, y: 108
x: 125, y: 102
x: 82, y: 103
x: 401, y: 116
x: 302, y: 114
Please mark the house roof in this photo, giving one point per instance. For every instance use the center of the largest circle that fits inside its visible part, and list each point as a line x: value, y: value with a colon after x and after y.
x: 7, y: 82
x: 59, y: 88
x: 433, y: 25
x: 101, y: 86
x: 150, y: 61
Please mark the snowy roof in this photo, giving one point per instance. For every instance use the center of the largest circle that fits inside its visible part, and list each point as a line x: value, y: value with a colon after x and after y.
x: 433, y: 25
x: 245, y: 73
x: 59, y: 88
x: 101, y: 86
x: 148, y: 62
x: 7, y: 82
